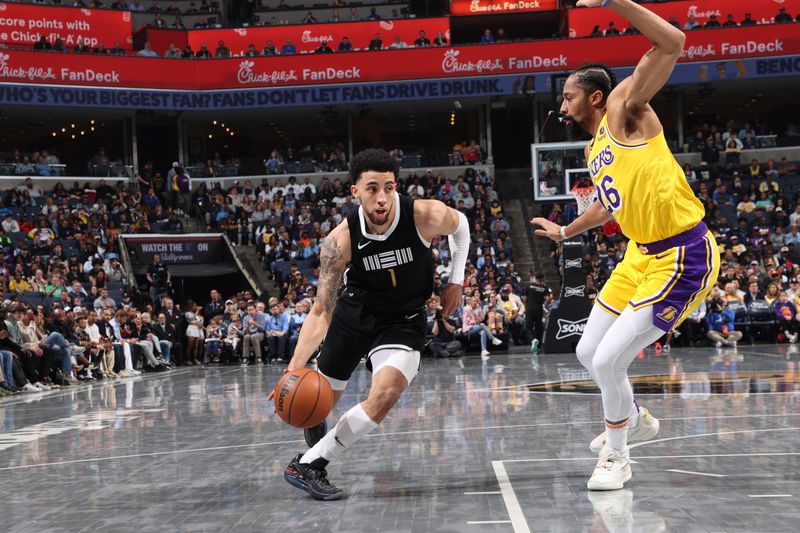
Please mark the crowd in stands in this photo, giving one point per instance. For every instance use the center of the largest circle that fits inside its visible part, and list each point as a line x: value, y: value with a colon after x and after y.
x: 37, y: 163
x: 72, y: 315
x: 319, y: 156
x: 691, y: 23
x: 753, y: 208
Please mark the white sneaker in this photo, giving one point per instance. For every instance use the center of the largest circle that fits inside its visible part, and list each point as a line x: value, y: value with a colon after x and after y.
x: 646, y: 429
x: 41, y: 386
x: 485, y: 354
x: 666, y: 348
x: 135, y: 372
x: 719, y: 344
x: 30, y: 388
x: 496, y: 341
x: 792, y: 337
x: 612, y: 471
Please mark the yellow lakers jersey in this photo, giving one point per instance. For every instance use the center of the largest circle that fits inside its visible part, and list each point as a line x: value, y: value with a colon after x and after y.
x: 643, y: 186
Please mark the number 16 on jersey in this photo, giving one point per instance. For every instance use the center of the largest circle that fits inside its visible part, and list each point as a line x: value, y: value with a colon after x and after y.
x: 608, y: 195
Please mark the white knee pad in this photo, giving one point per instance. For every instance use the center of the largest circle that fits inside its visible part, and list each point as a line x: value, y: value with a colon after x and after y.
x: 336, y: 384
x: 403, y: 359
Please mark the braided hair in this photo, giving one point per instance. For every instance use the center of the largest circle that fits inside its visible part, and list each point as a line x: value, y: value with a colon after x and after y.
x: 596, y: 77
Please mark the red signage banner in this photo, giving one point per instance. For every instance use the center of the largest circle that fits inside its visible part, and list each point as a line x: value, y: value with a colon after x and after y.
x: 307, y: 37
x: 499, y: 7
x: 26, y: 23
x: 583, y: 20
x: 393, y: 65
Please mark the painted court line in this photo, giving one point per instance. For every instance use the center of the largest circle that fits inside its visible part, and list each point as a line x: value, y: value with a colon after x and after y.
x: 512, y: 504
x: 696, y: 473
x: 640, y: 457
x: 151, y: 454
x: 769, y: 495
x: 680, y: 437
x: 483, y: 492
x: 489, y: 522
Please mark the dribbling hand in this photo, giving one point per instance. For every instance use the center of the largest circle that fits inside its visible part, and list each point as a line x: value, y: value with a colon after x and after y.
x: 451, y: 298
x: 549, y: 229
x: 590, y: 3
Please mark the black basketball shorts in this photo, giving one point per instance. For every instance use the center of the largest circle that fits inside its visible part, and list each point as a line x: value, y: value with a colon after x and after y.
x: 355, y: 331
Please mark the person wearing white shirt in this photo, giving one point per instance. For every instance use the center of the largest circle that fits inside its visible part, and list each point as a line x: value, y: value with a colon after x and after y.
x: 307, y: 185
x: 10, y: 225
x: 444, y: 268
x: 794, y: 218
x: 398, y: 43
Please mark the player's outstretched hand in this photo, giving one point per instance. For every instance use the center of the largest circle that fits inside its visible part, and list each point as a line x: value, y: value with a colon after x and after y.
x: 451, y: 298
x: 549, y: 229
x: 590, y: 3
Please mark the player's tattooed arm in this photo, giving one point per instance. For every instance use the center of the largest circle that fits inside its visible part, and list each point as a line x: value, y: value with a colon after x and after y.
x: 334, y: 255
x: 332, y: 266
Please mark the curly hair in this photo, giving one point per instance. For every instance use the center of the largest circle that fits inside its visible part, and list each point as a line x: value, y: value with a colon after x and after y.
x: 596, y: 77
x: 376, y: 160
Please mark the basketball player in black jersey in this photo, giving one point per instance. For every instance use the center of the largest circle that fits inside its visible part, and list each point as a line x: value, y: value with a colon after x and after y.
x: 383, y: 252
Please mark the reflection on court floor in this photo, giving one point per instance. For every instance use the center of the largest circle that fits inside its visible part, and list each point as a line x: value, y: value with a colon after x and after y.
x: 501, y: 445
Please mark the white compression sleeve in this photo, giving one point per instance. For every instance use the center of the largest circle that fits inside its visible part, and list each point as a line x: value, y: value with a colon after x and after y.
x: 459, y: 249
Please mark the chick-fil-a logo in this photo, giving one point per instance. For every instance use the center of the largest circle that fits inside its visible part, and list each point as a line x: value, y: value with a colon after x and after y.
x: 699, y: 50
x: 22, y: 73
x: 308, y: 38
x: 450, y: 64
x: 246, y: 76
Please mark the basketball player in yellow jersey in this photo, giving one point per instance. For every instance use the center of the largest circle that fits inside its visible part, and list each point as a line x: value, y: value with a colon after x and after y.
x: 672, y: 260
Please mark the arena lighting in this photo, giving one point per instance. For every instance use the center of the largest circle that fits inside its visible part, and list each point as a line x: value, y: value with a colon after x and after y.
x: 73, y: 135
x: 92, y: 128
x: 83, y: 132
x: 63, y: 130
x: 223, y: 125
x: 91, y: 121
x: 54, y: 134
x: 72, y: 126
x: 210, y: 136
x: 214, y: 122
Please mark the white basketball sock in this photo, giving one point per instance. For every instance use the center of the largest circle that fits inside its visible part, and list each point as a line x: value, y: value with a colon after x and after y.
x: 617, y: 435
x: 353, y: 425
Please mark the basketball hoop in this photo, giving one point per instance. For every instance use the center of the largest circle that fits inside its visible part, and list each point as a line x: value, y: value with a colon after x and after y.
x: 585, y: 196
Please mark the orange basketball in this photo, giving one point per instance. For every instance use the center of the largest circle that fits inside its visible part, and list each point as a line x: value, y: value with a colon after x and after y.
x: 303, y: 398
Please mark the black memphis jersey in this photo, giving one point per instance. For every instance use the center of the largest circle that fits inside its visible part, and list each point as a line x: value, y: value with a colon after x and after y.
x: 393, y: 272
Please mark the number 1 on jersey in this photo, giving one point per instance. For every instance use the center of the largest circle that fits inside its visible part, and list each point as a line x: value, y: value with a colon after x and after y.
x: 394, y: 278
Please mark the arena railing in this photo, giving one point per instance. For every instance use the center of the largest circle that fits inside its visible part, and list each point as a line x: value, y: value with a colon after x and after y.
x: 47, y: 182
x: 226, y: 182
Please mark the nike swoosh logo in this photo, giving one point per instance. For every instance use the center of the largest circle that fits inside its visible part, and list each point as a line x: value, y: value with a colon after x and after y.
x: 364, y: 245
x: 409, y: 317
x: 662, y: 256
x: 338, y: 441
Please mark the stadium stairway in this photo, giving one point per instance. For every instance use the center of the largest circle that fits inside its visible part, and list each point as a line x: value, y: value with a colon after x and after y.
x: 529, y: 251
x: 249, y: 260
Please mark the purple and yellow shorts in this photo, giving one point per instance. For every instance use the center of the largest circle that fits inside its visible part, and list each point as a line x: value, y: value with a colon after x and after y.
x: 673, y: 275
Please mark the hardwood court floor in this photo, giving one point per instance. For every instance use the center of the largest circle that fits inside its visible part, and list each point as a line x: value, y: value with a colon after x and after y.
x: 472, y: 446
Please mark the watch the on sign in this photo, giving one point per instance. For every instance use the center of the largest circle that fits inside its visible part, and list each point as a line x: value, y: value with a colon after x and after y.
x: 483, y: 7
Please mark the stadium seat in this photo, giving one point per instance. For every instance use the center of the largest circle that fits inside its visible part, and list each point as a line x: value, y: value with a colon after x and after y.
x: 762, y: 319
